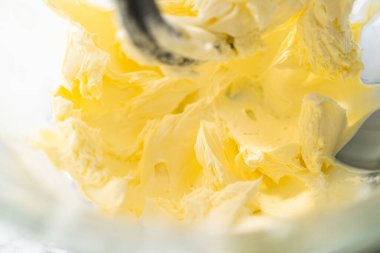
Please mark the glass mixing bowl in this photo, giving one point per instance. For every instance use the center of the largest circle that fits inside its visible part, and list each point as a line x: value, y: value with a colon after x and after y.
x: 43, y: 203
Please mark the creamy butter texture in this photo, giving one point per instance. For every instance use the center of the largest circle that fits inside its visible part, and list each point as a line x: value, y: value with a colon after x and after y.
x: 233, y: 143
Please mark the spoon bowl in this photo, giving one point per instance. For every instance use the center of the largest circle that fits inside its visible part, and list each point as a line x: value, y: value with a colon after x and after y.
x: 362, y: 152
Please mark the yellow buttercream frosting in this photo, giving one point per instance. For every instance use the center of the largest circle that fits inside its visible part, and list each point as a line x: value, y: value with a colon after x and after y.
x: 228, y: 144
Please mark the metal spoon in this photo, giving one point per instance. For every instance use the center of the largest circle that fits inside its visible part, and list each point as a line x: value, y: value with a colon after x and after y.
x: 165, y: 42
x: 362, y: 152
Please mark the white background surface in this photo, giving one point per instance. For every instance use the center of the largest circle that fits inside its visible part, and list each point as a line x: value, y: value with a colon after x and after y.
x: 32, y: 46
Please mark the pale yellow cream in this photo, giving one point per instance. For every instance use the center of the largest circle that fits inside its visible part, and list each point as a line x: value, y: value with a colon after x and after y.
x: 229, y: 145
